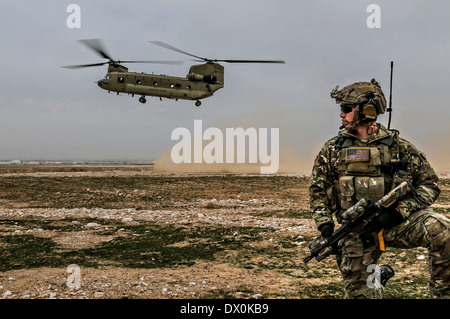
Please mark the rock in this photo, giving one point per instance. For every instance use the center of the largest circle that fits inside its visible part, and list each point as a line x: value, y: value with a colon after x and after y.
x: 98, y: 294
x: 92, y: 225
x: 127, y: 220
x: 7, y: 294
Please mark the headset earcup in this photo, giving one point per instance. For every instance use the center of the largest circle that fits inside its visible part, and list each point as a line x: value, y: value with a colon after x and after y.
x: 369, y: 112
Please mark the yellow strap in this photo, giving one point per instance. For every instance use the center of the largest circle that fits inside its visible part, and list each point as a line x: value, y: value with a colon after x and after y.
x: 381, y: 240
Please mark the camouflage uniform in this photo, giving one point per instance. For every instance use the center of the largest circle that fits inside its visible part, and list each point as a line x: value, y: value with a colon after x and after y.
x: 348, y: 168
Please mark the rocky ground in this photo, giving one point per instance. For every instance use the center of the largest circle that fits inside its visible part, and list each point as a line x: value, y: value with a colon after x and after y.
x: 131, y: 232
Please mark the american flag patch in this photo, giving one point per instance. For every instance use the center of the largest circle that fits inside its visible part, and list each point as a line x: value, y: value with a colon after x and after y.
x: 358, y: 155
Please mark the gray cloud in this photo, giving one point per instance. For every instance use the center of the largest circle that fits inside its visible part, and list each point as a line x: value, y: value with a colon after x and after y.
x: 51, y: 112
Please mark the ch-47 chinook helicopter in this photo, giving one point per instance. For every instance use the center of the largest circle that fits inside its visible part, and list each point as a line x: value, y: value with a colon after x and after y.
x: 201, y: 82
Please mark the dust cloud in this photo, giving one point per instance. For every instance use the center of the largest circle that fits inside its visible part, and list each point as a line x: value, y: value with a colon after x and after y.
x: 290, y: 162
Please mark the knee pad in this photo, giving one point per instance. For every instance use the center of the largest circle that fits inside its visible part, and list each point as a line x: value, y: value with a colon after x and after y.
x: 437, y: 229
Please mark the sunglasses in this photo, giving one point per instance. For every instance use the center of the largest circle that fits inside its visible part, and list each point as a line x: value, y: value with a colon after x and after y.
x: 347, y: 108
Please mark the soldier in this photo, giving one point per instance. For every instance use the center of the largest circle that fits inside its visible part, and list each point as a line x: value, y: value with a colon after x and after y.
x: 366, y: 160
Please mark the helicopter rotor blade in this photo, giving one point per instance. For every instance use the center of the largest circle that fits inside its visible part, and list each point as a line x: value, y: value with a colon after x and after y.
x: 97, y: 46
x: 154, y: 62
x: 251, y: 61
x: 83, y: 65
x: 168, y: 46
x: 197, y: 60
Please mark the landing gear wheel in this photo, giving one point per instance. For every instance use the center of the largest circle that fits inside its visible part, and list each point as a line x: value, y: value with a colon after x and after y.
x: 198, y: 103
x: 142, y: 100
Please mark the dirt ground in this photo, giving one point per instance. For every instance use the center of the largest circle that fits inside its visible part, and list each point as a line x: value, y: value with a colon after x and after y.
x: 128, y: 231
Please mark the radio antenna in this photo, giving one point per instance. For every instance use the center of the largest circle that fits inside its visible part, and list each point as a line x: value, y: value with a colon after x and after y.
x: 390, y: 97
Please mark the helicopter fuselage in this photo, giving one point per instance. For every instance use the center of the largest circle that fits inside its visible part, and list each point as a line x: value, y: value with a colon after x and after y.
x: 201, y: 82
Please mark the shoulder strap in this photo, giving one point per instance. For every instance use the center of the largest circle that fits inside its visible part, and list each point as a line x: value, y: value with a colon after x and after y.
x: 342, y: 142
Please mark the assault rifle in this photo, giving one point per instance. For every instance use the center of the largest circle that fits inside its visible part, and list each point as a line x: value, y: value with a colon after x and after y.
x: 357, y: 219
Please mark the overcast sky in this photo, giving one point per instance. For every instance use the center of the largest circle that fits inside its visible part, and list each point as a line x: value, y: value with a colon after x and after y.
x: 49, y: 112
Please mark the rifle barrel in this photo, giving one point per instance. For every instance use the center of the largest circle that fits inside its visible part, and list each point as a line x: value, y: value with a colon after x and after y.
x: 307, y: 259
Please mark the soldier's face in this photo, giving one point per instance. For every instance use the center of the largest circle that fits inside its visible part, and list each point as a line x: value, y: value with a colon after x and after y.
x: 347, y: 118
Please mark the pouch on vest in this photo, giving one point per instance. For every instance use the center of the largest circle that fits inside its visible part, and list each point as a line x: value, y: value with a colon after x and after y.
x: 363, y: 161
x: 347, y: 189
x: 369, y: 187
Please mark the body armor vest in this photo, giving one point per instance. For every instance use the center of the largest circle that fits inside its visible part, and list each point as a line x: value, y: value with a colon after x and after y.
x: 362, y: 172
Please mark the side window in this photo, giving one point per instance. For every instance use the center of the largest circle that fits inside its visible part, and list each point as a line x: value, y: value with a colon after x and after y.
x: 121, y: 79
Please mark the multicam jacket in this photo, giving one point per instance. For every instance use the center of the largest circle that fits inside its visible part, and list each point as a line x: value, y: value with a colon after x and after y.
x: 348, y: 169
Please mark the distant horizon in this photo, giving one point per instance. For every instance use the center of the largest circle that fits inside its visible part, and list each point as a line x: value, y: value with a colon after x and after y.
x: 73, y: 162
x: 131, y: 162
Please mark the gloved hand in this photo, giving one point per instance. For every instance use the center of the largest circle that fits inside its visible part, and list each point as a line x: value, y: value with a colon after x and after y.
x: 387, y: 218
x: 326, y: 230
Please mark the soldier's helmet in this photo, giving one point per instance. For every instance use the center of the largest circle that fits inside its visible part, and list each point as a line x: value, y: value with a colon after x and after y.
x: 367, y: 97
